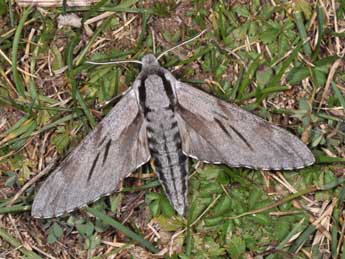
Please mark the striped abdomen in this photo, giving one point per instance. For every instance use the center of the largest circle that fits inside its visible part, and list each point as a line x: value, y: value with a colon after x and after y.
x: 166, y: 150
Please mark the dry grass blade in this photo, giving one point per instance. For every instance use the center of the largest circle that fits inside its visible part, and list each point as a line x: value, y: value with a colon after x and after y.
x: 56, y: 3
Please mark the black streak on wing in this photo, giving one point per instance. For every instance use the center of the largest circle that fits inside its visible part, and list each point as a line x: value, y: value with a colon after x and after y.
x: 220, y: 124
x: 92, y: 167
x: 107, y: 146
x: 142, y: 96
x: 221, y: 115
x: 242, y: 137
x: 102, y: 141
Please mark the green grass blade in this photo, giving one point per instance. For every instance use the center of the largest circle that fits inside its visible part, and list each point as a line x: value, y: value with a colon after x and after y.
x: 189, y: 240
x: 16, y: 77
x: 17, y: 131
x: 149, y: 185
x: 248, y: 76
x: 322, y: 159
x: 108, y: 220
x: 47, y: 127
x: 33, y: 90
x: 80, y: 58
x: 10, y: 11
x: 296, y: 229
x: 320, y: 25
x: 15, y: 126
x: 338, y: 94
x: 74, y: 83
x: 127, y: 3
x: 237, y: 84
x: 302, y: 31
x: 332, y: 185
x: 16, y: 244
x: 334, y: 232
x: 15, y: 208
x: 304, y: 237
x: 83, y: 105
x: 276, y: 79
x: 266, y: 91
x: 143, y: 30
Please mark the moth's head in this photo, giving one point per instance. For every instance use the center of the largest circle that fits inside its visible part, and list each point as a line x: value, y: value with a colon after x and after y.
x: 149, y: 60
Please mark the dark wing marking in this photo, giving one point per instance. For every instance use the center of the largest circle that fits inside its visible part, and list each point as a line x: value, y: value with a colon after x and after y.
x: 92, y: 168
x: 115, y: 148
x: 219, y: 132
x: 106, y: 152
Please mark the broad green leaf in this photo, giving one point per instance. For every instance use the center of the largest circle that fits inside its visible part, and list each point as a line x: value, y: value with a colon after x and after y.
x: 263, y: 75
x: 169, y: 223
x: 85, y: 228
x: 60, y: 141
x: 297, y: 74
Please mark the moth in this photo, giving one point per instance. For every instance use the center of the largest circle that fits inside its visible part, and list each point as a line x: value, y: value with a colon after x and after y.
x: 168, y: 121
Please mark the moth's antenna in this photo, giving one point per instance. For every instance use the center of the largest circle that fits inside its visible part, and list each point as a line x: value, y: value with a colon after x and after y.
x: 181, y: 44
x: 153, y: 41
x: 114, y: 62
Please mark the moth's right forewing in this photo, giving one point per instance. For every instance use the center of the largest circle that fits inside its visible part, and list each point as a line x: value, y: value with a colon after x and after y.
x: 115, y: 148
x: 219, y: 132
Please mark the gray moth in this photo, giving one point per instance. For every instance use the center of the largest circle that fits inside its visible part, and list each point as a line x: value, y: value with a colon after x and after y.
x: 163, y: 119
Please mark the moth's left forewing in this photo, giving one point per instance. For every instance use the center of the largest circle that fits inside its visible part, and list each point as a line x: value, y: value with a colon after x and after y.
x: 115, y: 148
x: 219, y: 132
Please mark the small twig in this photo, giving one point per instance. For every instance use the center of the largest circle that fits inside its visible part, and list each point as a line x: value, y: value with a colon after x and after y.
x: 341, y: 238
x: 125, y: 25
x: 281, y: 179
x: 98, y: 18
x: 337, y: 42
x: 328, y: 82
x: 276, y: 204
x: 206, y: 210
x: 42, y: 252
x: 20, y: 69
x: 288, y: 54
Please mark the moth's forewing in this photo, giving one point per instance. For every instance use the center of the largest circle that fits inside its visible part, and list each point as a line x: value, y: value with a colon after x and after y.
x: 219, y: 132
x: 115, y: 148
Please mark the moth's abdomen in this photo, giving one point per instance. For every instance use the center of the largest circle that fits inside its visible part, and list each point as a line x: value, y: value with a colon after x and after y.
x: 166, y: 151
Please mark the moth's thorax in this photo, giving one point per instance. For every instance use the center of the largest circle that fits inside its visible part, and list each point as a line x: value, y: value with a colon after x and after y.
x: 156, y: 96
x: 156, y: 89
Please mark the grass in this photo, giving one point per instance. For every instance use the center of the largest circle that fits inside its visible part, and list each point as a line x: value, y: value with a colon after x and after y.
x: 280, y: 60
